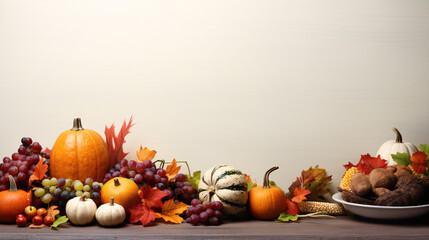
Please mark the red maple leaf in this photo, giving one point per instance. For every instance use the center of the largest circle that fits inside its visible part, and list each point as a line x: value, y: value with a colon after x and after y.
x: 419, y: 162
x: 151, y: 197
x: 299, y: 195
x: 292, y: 208
x: 115, y: 143
x: 348, y: 166
x: 39, y: 172
x: 141, y: 213
x: 368, y: 163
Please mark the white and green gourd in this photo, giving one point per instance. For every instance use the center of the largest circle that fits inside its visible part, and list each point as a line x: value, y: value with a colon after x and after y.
x: 225, y: 184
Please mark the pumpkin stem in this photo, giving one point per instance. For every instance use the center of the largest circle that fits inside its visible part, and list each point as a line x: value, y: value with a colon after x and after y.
x: 117, y: 183
x: 77, y: 124
x: 12, y: 184
x: 266, y: 177
x: 398, y: 135
x: 83, y: 198
x: 112, y: 201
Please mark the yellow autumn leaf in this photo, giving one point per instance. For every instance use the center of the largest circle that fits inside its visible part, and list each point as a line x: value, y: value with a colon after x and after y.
x: 171, y: 210
x: 172, y: 170
x: 316, y: 172
x: 145, y: 153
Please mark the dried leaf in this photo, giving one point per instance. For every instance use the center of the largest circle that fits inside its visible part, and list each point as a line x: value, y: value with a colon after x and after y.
x: 292, y: 208
x: 115, y: 143
x: 53, y: 211
x: 151, y: 197
x: 314, y: 180
x: 419, y: 162
x: 58, y: 221
x: 145, y: 153
x: 37, y: 226
x: 287, y: 217
x: 141, y: 213
x: 299, y: 195
x: 172, y: 170
x: 171, y: 210
x: 368, y: 163
x: 39, y: 172
x: 349, y: 165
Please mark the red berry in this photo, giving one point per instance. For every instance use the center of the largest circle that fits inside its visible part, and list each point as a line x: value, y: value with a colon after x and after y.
x: 213, y: 220
x: 210, y: 212
x: 216, y: 205
x: 207, y: 205
x: 195, y: 202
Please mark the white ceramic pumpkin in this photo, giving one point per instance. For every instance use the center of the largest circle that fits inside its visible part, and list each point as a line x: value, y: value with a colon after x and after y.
x: 394, y: 146
x: 81, y: 211
x: 225, y: 184
x: 110, y: 214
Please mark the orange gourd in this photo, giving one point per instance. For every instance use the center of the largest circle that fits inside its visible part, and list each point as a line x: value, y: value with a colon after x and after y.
x: 12, y: 202
x: 267, y: 201
x: 78, y: 154
x: 124, y: 190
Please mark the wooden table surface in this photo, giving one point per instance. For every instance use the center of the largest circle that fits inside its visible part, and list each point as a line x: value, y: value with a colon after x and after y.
x: 343, y: 227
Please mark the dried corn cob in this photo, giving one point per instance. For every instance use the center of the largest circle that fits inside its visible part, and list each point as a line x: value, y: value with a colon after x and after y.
x: 347, y: 178
x: 321, y: 207
x: 415, y: 173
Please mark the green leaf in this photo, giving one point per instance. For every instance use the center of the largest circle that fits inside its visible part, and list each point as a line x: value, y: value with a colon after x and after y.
x: 402, y: 159
x: 272, y: 183
x: 58, y: 221
x: 424, y: 148
x: 195, y: 179
x: 286, y: 217
x: 249, y: 186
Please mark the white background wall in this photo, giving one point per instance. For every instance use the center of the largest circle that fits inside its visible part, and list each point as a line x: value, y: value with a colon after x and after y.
x: 248, y: 83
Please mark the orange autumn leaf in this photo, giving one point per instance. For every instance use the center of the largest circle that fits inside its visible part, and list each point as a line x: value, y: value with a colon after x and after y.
x: 39, y: 172
x: 53, y: 211
x: 37, y: 226
x: 115, y: 143
x: 419, y: 162
x: 145, y: 153
x: 171, y: 210
x: 291, y: 207
x: 172, y: 170
x: 141, y: 213
x: 151, y: 197
x: 299, y: 195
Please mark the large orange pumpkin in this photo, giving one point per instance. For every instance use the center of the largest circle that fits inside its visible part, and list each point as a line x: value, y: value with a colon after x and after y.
x: 78, y: 154
x: 124, y: 190
x: 267, y: 201
x: 12, y: 202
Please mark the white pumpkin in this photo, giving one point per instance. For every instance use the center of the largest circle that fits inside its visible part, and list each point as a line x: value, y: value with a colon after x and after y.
x: 394, y: 146
x: 110, y: 214
x: 225, y: 184
x: 81, y: 211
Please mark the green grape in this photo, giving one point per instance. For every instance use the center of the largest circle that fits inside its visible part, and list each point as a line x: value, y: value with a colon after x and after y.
x: 47, y: 198
x: 53, y: 181
x: 67, y: 189
x: 46, y: 182
x: 87, y: 195
x: 68, y: 182
x: 47, y: 188
x: 39, y: 192
x: 86, y: 188
x: 52, y: 189
x: 95, y: 183
x: 78, y: 186
x: 79, y: 193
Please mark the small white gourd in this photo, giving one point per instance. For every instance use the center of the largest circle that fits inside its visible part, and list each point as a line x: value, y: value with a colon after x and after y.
x: 394, y: 146
x: 110, y: 214
x: 81, y: 211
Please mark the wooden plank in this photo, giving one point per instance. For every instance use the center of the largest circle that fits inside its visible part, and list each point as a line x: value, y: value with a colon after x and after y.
x: 308, y: 228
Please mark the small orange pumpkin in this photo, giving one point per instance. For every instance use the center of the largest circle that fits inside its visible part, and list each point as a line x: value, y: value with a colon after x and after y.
x: 12, y: 202
x: 78, y: 154
x: 267, y: 201
x: 124, y: 190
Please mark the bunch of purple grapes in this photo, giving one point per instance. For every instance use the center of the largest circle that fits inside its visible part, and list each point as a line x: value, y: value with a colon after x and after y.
x: 210, y: 213
x: 146, y: 173
x: 22, y: 164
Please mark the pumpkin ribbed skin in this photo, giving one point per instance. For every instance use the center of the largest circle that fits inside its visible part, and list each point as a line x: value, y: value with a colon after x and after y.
x: 79, y: 154
x: 266, y: 203
x: 12, y: 202
x: 123, y: 190
x: 225, y: 184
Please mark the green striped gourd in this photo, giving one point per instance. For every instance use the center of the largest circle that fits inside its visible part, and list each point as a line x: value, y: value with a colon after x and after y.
x: 225, y: 184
